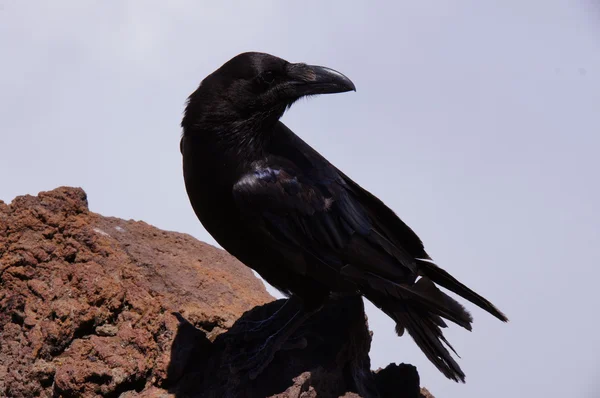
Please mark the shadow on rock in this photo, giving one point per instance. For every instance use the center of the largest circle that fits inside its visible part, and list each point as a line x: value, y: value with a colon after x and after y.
x: 334, y: 363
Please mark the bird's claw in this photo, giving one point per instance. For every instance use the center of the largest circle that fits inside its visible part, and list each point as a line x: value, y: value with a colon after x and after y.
x: 259, y: 330
x: 254, y: 329
x: 254, y: 362
x: 294, y: 344
x: 250, y: 327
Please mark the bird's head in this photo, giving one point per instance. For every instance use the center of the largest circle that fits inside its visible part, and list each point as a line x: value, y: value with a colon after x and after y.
x: 257, y: 88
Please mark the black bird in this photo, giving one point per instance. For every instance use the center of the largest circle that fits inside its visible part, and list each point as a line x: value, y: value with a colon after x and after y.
x: 310, y: 231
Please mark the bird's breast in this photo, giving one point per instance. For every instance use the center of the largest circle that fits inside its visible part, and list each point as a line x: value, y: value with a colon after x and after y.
x: 209, y: 182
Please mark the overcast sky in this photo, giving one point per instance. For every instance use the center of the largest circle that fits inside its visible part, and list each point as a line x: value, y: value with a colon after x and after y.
x: 477, y: 122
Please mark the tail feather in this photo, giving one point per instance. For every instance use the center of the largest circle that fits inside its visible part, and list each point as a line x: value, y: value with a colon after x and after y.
x: 438, y: 321
x: 428, y: 336
x: 424, y: 294
x: 444, y: 279
x: 428, y: 289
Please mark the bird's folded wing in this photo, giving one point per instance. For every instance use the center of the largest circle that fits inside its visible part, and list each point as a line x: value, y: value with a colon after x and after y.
x: 296, y: 209
x: 320, y: 217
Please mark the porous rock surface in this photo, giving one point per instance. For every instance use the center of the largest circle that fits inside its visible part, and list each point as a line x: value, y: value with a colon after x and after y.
x: 94, y: 306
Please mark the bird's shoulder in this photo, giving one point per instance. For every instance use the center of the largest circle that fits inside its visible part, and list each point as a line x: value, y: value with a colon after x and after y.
x: 276, y: 183
x: 289, y: 170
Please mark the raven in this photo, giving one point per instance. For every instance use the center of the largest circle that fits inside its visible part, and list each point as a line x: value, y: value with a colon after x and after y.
x: 282, y: 209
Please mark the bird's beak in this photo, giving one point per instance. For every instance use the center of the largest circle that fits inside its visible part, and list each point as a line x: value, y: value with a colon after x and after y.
x: 312, y: 80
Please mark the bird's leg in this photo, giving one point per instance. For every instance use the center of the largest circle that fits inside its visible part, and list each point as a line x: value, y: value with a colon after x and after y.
x: 258, y: 326
x: 256, y: 361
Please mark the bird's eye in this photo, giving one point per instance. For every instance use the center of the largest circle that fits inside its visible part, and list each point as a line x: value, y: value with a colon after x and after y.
x: 267, y: 77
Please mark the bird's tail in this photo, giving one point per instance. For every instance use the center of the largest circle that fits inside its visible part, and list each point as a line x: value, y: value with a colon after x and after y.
x: 421, y: 308
x: 444, y: 279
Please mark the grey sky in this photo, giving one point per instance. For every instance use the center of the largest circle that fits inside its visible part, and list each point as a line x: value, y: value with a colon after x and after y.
x: 477, y: 122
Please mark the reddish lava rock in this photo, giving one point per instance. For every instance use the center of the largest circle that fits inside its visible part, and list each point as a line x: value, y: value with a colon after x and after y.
x: 86, y: 301
x: 94, y: 306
